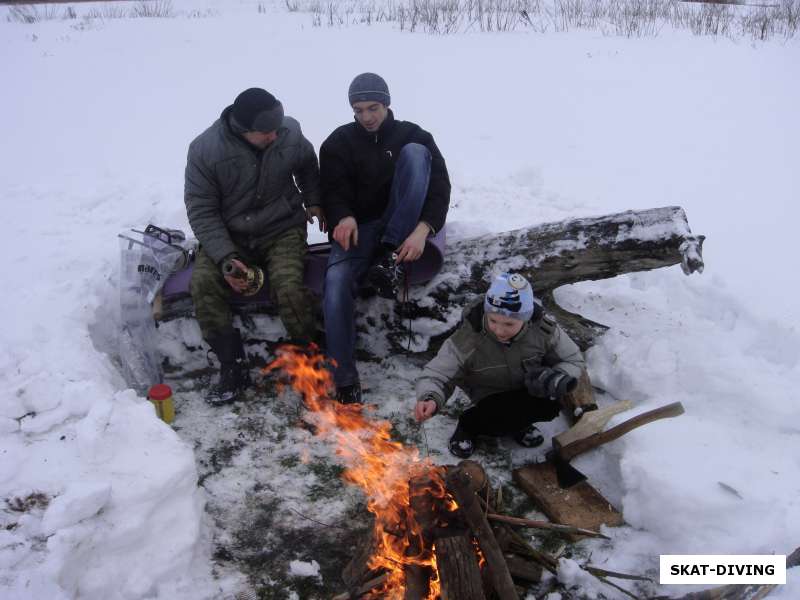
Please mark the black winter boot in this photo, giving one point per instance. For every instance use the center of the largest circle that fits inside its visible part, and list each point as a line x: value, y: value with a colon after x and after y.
x: 530, y: 437
x: 386, y: 275
x: 234, y: 375
x: 462, y: 443
x: 349, y: 394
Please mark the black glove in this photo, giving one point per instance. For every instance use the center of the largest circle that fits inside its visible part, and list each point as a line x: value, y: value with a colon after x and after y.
x: 544, y: 382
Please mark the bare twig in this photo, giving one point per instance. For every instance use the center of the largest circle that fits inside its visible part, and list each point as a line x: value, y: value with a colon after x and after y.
x: 297, y: 512
x: 545, y: 525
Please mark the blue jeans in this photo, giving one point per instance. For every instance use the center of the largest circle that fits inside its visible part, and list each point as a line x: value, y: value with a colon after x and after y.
x: 347, y: 268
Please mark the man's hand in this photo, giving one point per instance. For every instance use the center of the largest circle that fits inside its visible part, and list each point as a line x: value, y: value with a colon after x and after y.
x: 424, y: 410
x: 346, y: 230
x: 239, y: 284
x: 313, y: 212
x: 411, y: 249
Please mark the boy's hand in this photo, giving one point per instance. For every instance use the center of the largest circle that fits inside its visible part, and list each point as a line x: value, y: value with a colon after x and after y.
x: 424, y: 410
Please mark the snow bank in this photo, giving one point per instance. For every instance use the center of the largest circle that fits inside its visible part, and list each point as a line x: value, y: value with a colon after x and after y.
x: 101, y: 498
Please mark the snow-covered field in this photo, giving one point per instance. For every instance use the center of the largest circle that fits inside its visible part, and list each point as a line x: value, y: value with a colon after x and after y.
x: 99, y: 499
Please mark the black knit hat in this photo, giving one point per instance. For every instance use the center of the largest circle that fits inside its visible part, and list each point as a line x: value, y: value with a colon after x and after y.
x: 257, y: 110
x: 369, y: 86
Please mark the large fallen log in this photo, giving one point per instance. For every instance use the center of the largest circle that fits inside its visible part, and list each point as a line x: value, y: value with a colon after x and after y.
x: 550, y: 255
x: 556, y: 254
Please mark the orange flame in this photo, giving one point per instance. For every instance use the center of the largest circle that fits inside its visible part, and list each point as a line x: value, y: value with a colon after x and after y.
x: 380, y: 466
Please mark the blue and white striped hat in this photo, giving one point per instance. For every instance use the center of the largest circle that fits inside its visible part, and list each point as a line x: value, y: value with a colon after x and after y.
x: 510, y: 295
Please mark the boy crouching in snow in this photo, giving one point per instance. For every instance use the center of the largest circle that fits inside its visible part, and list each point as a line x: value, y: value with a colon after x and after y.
x: 512, y: 360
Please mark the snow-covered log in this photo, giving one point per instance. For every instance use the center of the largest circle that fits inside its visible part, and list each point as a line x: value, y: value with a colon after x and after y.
x: 552, y: 255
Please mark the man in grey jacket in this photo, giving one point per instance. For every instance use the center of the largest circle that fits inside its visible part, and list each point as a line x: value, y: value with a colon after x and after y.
x: 252, y: 184
x: 512, y: 360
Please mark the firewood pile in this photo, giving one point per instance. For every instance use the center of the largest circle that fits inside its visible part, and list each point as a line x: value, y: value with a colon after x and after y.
x: 477, y: 554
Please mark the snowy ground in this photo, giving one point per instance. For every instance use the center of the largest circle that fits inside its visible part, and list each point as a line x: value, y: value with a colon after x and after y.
x: 100, y: 500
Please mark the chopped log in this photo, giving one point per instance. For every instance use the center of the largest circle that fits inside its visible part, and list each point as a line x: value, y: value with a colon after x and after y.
x: 459, y: 573
x: 521, y: 568
x: 458, y: 482
x: 417, y: 579
x: 566, y: 529
x: 421, y: 520
x: 479, y: 482
x: 579, y: 506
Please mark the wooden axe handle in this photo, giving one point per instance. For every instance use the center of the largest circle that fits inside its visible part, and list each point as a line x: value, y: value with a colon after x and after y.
x: 575, y: 448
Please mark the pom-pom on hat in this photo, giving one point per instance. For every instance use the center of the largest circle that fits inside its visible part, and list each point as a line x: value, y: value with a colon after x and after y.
x: 510, y: 295
x: 369, y: 87
x: 257, y: 110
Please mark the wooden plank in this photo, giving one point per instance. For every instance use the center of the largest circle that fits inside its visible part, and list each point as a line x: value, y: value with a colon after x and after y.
x: 579, y: 506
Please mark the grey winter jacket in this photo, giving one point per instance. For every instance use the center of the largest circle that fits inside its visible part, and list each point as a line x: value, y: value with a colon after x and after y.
x: 474, y: 360
x: 233, y: 200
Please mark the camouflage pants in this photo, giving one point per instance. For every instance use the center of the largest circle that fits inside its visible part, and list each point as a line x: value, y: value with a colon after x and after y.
x: 282, y: 257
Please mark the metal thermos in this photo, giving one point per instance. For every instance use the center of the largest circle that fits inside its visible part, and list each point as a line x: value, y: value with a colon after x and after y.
x: 254, y: 276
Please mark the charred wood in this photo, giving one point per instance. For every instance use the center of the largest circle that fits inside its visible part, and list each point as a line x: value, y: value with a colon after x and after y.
x: 459, y: 573
x: 460, y: 485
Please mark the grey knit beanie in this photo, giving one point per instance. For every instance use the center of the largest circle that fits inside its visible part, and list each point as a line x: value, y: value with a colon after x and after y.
x: 369, y: 86
x: 257, y: 110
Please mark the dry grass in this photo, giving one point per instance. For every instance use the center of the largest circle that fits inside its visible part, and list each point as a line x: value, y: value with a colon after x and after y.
x: 627, y: 18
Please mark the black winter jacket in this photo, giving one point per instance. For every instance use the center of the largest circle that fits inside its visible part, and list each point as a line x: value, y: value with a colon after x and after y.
x: 356, y: 170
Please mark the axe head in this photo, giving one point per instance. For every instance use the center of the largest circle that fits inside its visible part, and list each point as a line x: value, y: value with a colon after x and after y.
x: 566, y: 474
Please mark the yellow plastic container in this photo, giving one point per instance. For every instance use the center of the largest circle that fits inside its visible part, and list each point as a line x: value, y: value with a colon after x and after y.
x: 161, y: 397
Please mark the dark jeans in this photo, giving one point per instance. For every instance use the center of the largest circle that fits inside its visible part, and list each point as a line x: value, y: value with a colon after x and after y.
x: 507, y: 413
x: 347, y: 268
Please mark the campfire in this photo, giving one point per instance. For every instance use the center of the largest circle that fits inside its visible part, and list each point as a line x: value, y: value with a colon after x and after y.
x: 431, y: 537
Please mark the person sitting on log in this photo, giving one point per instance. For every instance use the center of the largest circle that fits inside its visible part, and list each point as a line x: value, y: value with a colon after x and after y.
x: 252, y: 183
x: 512, y: 360
x: 385, y: 189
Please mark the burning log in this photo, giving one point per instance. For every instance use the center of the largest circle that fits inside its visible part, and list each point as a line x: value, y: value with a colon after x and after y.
x: 461, y: 486
x: 459, y: 573
x: 424, y: 493
x: 357, y: 571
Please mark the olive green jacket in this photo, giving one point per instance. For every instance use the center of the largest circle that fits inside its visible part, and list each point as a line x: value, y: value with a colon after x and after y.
x: 233, y: 199
x: 474, y: 360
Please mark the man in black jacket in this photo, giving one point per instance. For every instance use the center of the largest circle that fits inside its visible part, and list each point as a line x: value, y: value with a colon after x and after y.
x: 385, y: 189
